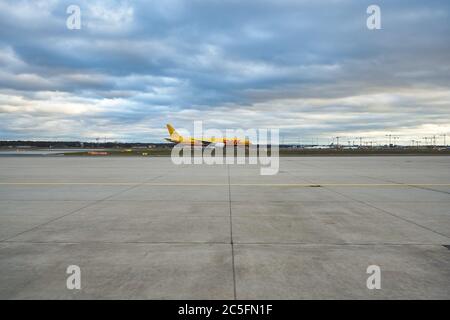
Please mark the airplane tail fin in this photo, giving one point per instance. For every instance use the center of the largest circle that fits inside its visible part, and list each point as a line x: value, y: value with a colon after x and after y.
x: 173, y: 133
x: 171, y: 129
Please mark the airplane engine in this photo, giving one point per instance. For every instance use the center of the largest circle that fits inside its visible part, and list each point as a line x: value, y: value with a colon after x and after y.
x: 219, y: 145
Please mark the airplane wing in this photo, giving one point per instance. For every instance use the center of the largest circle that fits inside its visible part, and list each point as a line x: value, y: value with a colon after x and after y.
x: 205, y: 143
x: 210, y: 144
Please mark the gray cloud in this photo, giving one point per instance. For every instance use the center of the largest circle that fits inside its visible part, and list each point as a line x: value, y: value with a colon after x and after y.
x: 311, y: 68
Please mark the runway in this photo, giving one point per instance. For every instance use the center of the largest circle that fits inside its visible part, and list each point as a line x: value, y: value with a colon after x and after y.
x: 144, y: 228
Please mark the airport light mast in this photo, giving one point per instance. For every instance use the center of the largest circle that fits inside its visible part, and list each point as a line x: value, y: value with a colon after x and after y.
x: 360, y: 141
x: 444, y: 135
x: 390, y: 136
x: 396, y: 138
x: 337, y: 141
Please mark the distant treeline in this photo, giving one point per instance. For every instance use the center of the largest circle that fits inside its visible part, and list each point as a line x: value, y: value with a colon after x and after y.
x: 79, y: 144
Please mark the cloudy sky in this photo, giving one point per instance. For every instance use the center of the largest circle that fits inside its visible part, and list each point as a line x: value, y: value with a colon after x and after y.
x: 308, y: 67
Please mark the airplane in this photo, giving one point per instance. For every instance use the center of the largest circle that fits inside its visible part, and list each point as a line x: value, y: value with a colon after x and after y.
x: 176, y: 138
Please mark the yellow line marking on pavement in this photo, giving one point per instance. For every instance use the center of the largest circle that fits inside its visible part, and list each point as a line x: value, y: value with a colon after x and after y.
x: 232, y: 184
